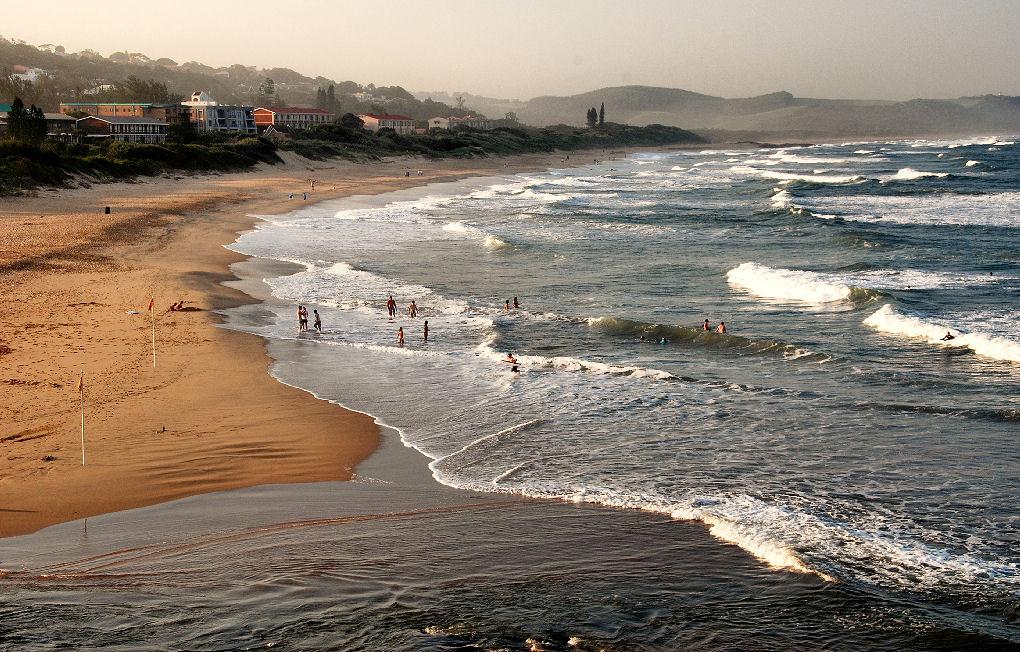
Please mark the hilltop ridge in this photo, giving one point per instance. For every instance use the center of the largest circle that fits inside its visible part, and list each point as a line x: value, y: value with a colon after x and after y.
x: 775, y: 113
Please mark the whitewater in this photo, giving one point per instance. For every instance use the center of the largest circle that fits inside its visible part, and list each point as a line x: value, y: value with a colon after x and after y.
x: 829, y: 432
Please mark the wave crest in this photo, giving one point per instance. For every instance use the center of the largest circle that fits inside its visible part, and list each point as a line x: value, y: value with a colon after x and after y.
x: 910, y: 174
x: 795, y: 285
x: 887, y: 320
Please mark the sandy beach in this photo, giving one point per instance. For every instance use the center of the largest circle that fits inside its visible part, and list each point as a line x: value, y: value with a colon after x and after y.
x: 74, y: 287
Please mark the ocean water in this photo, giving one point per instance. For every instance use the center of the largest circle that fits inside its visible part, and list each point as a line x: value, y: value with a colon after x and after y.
x: 829, y: 432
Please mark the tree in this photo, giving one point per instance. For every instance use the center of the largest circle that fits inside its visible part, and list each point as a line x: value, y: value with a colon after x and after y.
x: 320, y: 98
x: 331, y: 103
x: 183, y: 129
x: 593, y: 117
x: 602, y: 114
x: 26, y: 125
x: 267, y: 91
x: 17, y: 120
x: 351, y: 121
x: 37, y: 127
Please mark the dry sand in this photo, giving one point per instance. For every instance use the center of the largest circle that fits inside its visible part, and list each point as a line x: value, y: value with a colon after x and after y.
x: 208, y: 417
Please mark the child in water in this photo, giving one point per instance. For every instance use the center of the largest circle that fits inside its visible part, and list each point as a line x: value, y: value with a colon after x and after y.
x: 400, y: 336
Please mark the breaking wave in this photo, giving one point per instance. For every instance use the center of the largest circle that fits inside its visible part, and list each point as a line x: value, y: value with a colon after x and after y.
x: 794, y: 285
x: 909, y: 174
x: 488, y: 240
x: 887, y: 320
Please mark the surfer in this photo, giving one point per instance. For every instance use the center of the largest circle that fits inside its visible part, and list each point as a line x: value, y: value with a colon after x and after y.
x: 664, y: 341
x: 512, y: 361
x: 948, y: 336
x: 721, y: 328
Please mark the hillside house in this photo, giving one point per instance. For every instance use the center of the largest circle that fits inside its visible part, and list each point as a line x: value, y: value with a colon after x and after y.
x: 132, y: 130
x: 209, y: 115
x: 399, y: 123
x: 291, y: 117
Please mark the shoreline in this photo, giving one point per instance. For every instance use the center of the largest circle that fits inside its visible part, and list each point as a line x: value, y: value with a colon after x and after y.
x: 68, y: 279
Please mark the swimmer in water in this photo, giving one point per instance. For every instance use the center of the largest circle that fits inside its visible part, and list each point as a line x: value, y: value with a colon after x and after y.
x: 506, y: 306
x: 706, y: 326
x: 664, y: 341
x: 516, y: 305
x: 721, y: 328
x: 400, y: 336
x: 510, y: 358
x: 949, y: 336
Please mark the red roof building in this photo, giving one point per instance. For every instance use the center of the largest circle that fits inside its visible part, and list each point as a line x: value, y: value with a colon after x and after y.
x: 292, y: 117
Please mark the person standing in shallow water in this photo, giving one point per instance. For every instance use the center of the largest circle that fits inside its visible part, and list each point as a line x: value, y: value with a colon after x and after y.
x: 412, y: 310
x: 391, y: 307
x: 400, y: 336
x: 425, y: 331
x: 318, y: 322
x: 721, y: 328
x: 516, y: 304
x: 506, y: 306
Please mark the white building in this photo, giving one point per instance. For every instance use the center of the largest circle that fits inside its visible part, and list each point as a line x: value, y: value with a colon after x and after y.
x: 398, y: 123
x: 209, y: 115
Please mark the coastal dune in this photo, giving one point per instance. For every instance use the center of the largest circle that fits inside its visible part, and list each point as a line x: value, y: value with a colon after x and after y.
x: 208, y: 417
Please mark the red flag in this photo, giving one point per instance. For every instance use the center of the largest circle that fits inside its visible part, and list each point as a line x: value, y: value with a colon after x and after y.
x: 152, y: 302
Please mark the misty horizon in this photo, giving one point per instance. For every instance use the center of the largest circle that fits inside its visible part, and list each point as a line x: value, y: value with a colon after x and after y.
x: 870, y: 51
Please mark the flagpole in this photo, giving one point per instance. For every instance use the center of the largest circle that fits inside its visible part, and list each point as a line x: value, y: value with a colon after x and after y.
x: 81, y: 392
x: 153, y: 312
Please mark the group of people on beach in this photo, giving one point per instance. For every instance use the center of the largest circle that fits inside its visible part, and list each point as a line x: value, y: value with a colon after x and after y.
x: 302, y: 315
x: 412, y: 312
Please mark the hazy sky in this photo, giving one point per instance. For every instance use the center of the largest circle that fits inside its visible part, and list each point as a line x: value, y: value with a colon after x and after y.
x: 518, y: 49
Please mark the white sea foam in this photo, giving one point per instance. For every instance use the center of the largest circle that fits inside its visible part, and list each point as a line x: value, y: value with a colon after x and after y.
x: 888, y: 320
x: 807, y: 160
x: 782, y: 199
x: 909, y: 174
x: 991, y: 209
x: 971, y: 164
x: 567, y: 363
x: 790, y: 284
x: 811, y: 178
x: 488, y: 240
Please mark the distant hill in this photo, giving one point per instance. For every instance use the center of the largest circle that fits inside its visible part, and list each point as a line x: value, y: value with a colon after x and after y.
x: 47, y: 75
x: 775, y: 113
